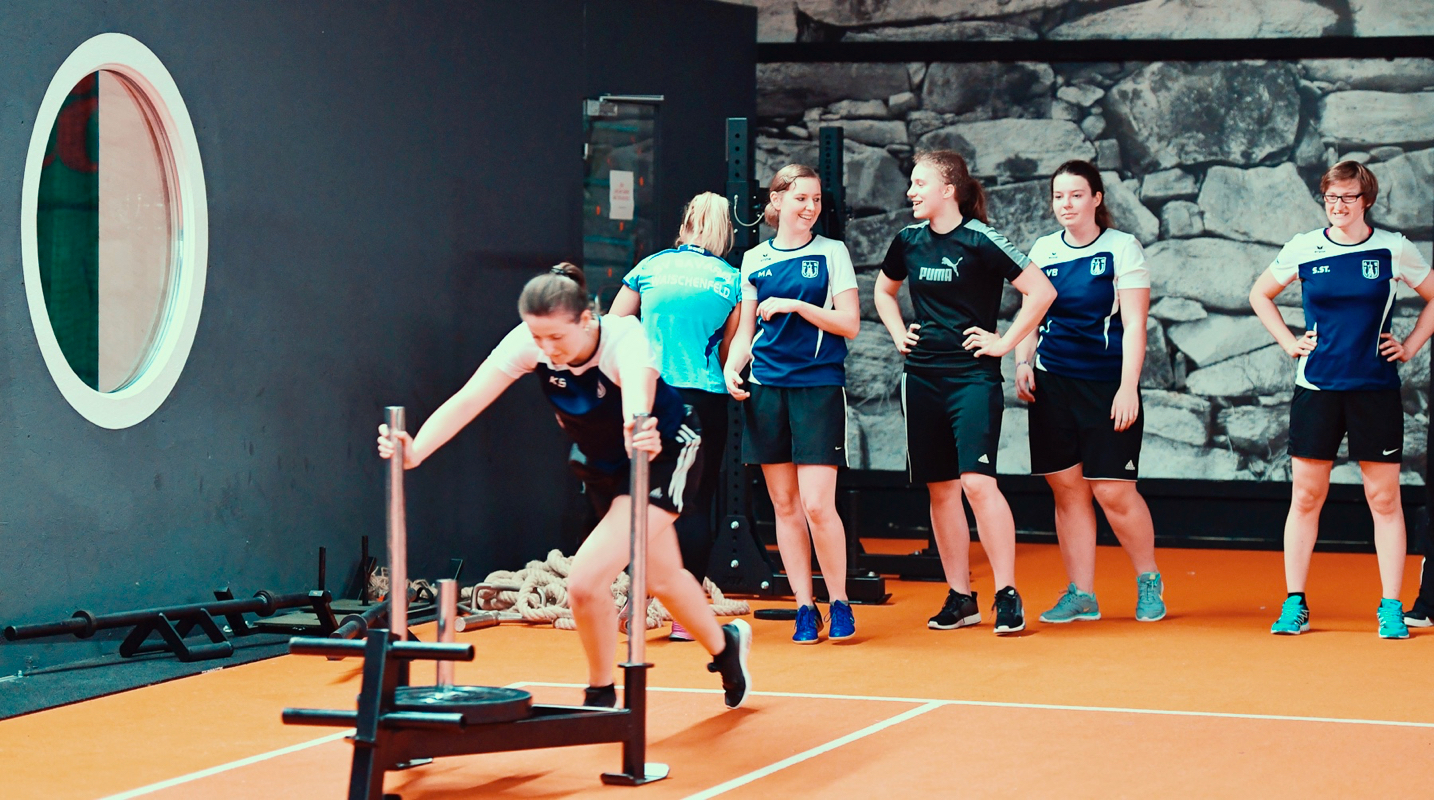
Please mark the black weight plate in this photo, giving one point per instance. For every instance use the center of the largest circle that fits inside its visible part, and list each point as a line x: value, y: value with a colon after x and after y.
x: 775, y: 613
x: 478, y: 704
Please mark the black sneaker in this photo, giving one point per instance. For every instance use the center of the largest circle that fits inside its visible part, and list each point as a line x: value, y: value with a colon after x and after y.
x: 732, y: 662
x: 600, y: 696
x: 1010, y: 616
x: 959, y: 611
x: 1419, y: 615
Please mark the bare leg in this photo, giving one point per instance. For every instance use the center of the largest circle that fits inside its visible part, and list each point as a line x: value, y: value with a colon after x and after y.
x: 817, y: 485
x: 792, y: 541
x: 997, y: 527
x: 1381, y: 489
x: 1129, y: 517
x: 1075, y: 526
x: 597, y: 564
x: 1311, y: 485
x: 953, y: 535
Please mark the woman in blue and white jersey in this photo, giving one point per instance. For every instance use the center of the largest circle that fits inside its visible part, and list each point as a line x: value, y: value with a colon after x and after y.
x: 1080, y: 372
x: 598, y: 373
x: 1347, y: 381
x: 799, y: 306
x: 687, y: 298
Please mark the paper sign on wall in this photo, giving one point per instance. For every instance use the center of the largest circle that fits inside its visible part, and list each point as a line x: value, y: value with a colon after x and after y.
x: 619, y: 194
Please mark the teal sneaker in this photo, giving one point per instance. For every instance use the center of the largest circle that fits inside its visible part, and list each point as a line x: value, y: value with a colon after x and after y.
x: 1072, y: 605
x: 1150, y: 597
x: 1294, y: 617
x: 1391, y: 620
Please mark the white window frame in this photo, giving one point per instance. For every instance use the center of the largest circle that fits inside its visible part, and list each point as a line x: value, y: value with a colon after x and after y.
x: 142, y: 396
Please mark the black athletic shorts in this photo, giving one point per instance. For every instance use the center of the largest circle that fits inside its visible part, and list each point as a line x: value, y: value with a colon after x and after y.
x: 953, y: 424
x: 794, y: 425
x: 1070, y: 424
x: 672, y: 477
x: 1374, y: 420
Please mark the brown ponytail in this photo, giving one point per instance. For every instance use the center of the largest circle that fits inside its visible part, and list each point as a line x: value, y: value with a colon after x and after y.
x: 1087, y: 170
x: 563, y: 288
x: 782, y: 181
x: 970, y: 194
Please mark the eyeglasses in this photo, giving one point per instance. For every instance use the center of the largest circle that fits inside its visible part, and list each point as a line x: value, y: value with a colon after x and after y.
x: 1331, y: 199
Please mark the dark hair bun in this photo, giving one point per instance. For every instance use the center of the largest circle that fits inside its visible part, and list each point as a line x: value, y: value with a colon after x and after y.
x: 571, y: 271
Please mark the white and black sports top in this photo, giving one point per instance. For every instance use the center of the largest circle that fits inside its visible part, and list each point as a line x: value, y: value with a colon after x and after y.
x: 1082, y: 335
x: 956, y: 279
x: 587, y: 397
x: 1349, y: 301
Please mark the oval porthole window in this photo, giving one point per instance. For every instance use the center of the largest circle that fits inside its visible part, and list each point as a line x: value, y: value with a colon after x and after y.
x: 114, y: 233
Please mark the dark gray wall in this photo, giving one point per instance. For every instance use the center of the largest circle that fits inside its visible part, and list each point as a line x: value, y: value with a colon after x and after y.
x: 382, y: 179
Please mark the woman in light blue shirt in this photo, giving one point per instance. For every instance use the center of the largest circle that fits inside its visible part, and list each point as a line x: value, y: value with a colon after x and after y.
x: 687, y: 298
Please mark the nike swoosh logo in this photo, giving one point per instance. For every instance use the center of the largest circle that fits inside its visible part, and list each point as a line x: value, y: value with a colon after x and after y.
x: 1391, y: 452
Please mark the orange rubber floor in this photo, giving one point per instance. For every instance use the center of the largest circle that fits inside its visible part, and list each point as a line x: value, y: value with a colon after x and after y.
x: 1203, y: 704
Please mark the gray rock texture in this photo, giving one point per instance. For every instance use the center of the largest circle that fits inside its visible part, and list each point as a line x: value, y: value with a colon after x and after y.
x: 1218, y: 337
x: 1180, y: 19
x: 868, y: 238
x: 860, y: 109
x: 876, y: 438
x: 878, y: 133
x: 1126, y: 210
x: 1014, y: 456
x: 1168, y: 114
x: 1021, y: 211
x: 1217, y: 273
x: 1363, y: 118
x: 1177, y: 417
x: 1081, y: 94
x: 1177, y: 309
x: 1163, y: 458
x: 1391, y: 18
x: 1170, y: 184
x: 1406, y: 193
x: 788, y: 89
x: 1257, y: 429
x: 1012, y: 148
x: 1264, y: 371
x: 986, y: 88
x: 973, y: 31
x: 899, y: 104
x: 1181, y: 219
x: 1264, y: 204
x: 874, y: 180
x: 873, y: 366
x: 852, y: 13
x: 866, y: 287
x: 1157, y: 372
x: 1381, y: 75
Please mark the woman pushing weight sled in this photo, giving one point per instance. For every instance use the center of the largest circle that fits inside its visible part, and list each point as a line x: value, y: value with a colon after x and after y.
x: 598, y: 372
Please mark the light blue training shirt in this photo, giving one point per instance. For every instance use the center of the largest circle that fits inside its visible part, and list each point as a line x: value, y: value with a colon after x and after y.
x: 687, y: 294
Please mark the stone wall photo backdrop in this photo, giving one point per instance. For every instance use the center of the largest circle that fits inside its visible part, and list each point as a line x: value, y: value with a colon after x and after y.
x: 1212, y: 165
x: 1027, y: 20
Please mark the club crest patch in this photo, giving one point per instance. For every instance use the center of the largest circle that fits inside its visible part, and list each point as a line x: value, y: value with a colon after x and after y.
x: 810, y: 269
x: 1371, y: 268
x: 1097, y: 265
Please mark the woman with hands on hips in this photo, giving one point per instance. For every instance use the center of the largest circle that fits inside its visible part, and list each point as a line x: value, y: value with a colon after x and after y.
x: 799, y: 306
x: 598, y: 373
x: 951, y: 384
x: 1347, y: 380
x: 1080, y: 373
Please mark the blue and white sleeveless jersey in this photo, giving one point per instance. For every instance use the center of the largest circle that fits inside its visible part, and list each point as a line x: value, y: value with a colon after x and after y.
x: 1082, y: 335
x: 1349, y: 301
x: 588, y: 397
x: 687, y: 295
x: 788, y: 350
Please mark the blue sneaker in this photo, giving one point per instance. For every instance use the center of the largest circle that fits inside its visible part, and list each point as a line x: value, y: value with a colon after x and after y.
x: 1073, y: 604
x: 843, y: 623
x: 1150, y: 597
x: 1294, y: 617
x: 1390, y: 616
x: 809, y: 625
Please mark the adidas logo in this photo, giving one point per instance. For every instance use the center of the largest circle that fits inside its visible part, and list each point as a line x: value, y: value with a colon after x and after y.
x: 983, y: 459
x: 1130, y: 464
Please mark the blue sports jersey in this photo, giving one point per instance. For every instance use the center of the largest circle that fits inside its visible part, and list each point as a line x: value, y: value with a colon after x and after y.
x: 687, y: 295
x: 1349, y: 301
x: 788, y: 350
x: 587, y: 397
x: 1082, y: 335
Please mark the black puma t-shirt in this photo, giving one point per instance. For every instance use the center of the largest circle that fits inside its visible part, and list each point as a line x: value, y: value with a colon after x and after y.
x: 956, y: 280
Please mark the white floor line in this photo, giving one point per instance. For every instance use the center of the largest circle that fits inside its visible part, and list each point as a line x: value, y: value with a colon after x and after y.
x: 1039, y: 706
x: 722, y: 788
x: 243, y: 762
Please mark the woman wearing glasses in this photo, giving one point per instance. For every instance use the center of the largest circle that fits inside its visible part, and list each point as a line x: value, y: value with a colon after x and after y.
x: 1347, y: 380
